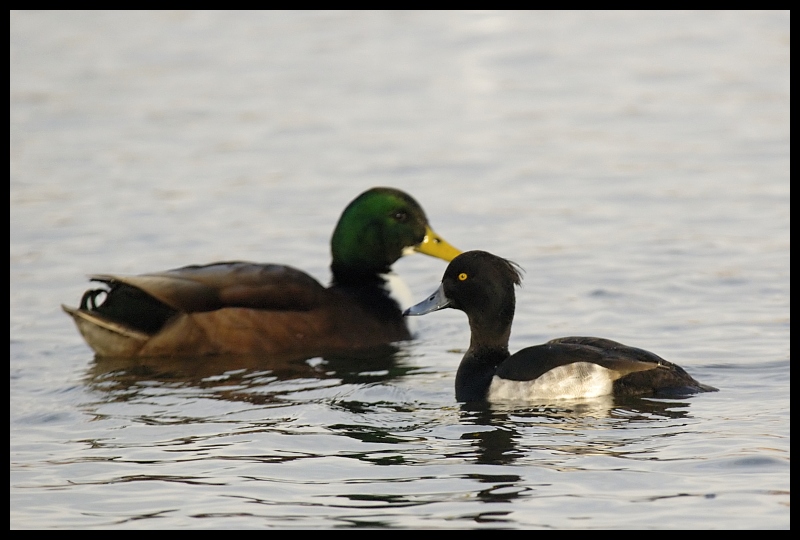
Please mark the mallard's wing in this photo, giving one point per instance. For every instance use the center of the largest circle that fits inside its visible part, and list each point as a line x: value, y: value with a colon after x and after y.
x: 227, y: 284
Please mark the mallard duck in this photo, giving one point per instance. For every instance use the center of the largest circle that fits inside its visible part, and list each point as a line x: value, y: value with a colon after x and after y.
x: 482, y: 286
x: 271, y: 309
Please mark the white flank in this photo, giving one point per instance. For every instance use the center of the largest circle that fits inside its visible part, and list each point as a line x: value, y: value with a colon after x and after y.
x: 573, y: 381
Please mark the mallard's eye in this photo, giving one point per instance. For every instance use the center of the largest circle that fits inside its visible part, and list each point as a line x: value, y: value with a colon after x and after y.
x: 401, y: 216
x: 462, y: 276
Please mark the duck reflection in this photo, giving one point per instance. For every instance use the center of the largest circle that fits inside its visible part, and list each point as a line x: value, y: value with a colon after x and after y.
x: 252, y: 378
x: 503, y: 430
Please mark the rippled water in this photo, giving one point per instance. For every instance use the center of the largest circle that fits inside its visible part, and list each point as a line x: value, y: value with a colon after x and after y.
x: 635, y: 164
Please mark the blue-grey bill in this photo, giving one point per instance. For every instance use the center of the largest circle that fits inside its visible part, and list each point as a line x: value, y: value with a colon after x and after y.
x: 434, y: 302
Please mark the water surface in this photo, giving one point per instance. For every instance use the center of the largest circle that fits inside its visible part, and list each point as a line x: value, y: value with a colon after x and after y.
x: 635, y: 164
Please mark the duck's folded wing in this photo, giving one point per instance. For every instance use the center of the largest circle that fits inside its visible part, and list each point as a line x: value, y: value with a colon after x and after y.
x: 229, y: 284
x: 610, y: 347
x: 532, y: 362
x: 668, y: 379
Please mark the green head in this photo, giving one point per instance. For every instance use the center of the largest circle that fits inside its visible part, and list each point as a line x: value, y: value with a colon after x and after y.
x: 377, y: 228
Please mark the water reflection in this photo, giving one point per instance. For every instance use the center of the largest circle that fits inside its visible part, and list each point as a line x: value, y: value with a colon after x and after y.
x: 396, y: 430
x: 504, y: 435
x: 244, y: 377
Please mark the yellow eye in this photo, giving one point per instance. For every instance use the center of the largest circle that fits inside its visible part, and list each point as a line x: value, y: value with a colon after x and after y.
x: 462, y: 276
